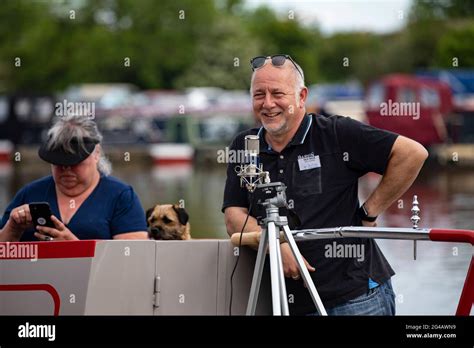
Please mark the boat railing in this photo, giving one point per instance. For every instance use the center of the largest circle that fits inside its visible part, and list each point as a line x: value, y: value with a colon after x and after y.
x: 428, y: 234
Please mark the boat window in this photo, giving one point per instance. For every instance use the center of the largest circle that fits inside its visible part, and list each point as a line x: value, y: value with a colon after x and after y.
x: 406, y: 95
x: 44, y: 108
x: 3, y: 109
x: 218, y: 129
x: 22, y: 109
x: 429, y: 98
x: 375, y: 96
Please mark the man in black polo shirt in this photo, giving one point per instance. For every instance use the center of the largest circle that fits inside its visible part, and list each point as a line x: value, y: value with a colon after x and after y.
x: 320, y: 160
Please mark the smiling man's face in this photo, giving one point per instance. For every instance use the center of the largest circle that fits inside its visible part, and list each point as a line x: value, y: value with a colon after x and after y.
x: 274, y: 100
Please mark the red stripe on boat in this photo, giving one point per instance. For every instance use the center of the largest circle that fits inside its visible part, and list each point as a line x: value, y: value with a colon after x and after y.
x: 168, y: 161
x: 36, y: 287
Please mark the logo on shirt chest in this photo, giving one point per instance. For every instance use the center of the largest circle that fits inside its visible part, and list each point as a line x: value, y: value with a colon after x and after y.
x: 309, y: 161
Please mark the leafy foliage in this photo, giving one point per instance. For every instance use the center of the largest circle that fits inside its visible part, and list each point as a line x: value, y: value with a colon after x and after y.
x: 48, y: 45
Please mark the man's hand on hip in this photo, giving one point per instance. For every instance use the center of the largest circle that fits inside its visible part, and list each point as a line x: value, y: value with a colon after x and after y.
x: 290, y: 266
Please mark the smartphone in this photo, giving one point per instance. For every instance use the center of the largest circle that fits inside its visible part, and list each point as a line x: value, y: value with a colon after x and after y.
x: 41, y: 214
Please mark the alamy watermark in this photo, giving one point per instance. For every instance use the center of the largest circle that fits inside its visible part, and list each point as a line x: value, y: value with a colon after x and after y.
x: 28, y: 330
x: 408, y: 109
x: 79, y: 109
x: 19, y: 251
x: 334, y: 250
x: 234, y: 156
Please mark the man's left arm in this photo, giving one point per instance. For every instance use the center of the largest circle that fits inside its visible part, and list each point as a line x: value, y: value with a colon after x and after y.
x: 406, y: 159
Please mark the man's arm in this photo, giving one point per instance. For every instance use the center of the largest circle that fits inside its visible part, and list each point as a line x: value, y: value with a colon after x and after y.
x: 405, y: 162
x: 234, y: 221
x: 235, y: 218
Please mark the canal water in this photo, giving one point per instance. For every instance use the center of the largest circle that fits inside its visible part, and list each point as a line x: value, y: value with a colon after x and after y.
x: 431, y: 284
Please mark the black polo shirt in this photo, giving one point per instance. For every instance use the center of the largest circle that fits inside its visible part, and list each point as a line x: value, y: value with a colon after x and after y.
x: 320, y: 167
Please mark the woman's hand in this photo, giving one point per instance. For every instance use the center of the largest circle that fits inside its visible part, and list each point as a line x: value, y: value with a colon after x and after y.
x: 61, y: 232
x: 20, y: 219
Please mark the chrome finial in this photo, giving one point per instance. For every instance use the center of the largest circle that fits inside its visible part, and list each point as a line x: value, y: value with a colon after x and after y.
x: 415, y: 219
x: 415, y: 210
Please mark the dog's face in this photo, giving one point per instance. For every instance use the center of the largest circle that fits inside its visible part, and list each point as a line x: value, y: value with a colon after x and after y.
x: 168, y: 222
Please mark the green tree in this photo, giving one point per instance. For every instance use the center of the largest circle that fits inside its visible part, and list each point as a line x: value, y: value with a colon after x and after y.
x: 423, y: 37
x: 455, y: 47
x: 286, y: 35
x: 145, y: 42
x: 347, y: 56
x: 222, y: 58
x: 438, y: 31
x: 422, y: 10
x: 26, y: 40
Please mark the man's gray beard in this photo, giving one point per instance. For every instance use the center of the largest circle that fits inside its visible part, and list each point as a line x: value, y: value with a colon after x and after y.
x: 280, y: 131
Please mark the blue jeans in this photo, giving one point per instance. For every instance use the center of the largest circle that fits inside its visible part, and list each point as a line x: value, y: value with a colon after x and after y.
x: 377, y: 301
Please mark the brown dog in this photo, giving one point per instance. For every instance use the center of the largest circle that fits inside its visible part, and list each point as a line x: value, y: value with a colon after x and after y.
x: 168, y: 222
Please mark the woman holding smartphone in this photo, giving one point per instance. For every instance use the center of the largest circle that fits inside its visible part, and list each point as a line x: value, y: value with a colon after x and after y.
x: 85, y: 201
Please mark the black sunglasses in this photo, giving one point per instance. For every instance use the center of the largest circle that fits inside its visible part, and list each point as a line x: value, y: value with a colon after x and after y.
x: 277, y: 60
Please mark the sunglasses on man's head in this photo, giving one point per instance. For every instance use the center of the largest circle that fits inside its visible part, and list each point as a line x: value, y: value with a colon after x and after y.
x: 277, y: 60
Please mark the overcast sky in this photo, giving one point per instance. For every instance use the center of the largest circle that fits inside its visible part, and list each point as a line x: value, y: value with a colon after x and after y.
x: 380, y: 16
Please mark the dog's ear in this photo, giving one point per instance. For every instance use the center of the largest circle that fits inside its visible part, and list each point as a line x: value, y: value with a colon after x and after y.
x: 183, y: 216
x: 148, y: 214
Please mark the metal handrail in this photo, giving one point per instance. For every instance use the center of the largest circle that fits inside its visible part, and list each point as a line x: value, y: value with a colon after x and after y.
x: 436, y: 235
x: 362, y: 232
